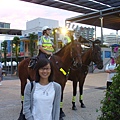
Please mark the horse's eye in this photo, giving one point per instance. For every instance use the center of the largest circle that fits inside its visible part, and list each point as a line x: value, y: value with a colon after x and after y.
x: 72, y: 49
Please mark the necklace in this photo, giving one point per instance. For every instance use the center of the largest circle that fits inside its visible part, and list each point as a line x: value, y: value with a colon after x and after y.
x: 45, y: 91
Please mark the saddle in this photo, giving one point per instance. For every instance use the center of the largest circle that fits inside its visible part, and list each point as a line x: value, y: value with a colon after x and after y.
x: 33, y: 62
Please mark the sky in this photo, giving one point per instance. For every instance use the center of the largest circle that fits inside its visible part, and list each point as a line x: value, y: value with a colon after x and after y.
x: 17, y: 13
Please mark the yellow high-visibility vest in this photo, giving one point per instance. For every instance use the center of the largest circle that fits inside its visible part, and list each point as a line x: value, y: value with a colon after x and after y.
x: 68, y: 39
x: 47, y: 44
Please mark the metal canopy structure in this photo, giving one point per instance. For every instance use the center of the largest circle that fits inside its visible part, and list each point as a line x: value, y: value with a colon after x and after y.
x: 111, y: 18
x: 92, y: 9
x: 80, y: 6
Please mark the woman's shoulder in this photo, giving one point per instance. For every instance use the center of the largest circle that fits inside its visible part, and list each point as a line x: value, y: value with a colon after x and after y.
x: 29, y: 83
x: 56, y: 84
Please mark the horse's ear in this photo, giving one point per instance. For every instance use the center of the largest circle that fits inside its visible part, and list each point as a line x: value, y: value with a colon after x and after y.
x: 82, y: 40
x: 97, y: 41
x: 79, y: 39
x: 92, y: 42
x: 71, y: 36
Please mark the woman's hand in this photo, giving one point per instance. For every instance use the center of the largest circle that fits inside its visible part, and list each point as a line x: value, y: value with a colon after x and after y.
x: 49, y: 53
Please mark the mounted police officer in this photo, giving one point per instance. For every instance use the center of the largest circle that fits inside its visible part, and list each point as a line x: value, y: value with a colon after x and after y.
x: 67, y: 37
x: 45, y: 46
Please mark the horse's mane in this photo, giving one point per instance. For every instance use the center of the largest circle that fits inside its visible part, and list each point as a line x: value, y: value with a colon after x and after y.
x: 62, y: 50
x: 87, y: 51
x: 90, y: 49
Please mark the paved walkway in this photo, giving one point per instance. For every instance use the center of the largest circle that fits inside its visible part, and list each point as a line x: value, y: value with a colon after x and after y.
x: 10, y: 103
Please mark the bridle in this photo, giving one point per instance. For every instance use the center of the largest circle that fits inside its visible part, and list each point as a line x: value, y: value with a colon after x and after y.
x: 75, y: 64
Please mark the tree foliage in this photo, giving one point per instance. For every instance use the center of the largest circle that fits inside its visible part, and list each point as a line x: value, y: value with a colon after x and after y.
x: 16, y: 43
x: 32, y: 37
x: 110, y: 109
x: 4, y: 50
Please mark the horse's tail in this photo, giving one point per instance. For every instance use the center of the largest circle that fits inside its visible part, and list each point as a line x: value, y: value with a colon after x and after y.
x: 23, y: 74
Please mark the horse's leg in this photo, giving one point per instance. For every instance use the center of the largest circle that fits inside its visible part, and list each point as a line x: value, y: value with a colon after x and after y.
x: 74, y: 95
x: 62, y: 114
x: 23, y: 84
x: 81, y: 95
x: 23, y: 80
x: 22, y: 97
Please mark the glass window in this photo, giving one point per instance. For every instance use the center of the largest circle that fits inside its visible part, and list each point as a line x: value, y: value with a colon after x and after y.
x: 6, y: 25
x: 1, y: 25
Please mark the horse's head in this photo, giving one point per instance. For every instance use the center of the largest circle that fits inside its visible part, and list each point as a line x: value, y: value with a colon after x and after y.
x: 96, y: 55
x: 75, y: 52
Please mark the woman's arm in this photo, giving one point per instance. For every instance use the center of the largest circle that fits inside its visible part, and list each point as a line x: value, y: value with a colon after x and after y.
x: 26, y: 104
x: 108, y: 70
x: 57, y: 103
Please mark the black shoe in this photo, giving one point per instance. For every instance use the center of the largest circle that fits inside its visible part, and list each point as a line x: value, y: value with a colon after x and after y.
x: 61, y: 118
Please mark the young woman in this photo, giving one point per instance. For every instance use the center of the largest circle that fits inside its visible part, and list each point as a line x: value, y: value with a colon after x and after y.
x: 110, y: 69
x: 43, y: 101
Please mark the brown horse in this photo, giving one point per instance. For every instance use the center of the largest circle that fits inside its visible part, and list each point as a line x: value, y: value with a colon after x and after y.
x: 68, y: 56
x: 93, y: 54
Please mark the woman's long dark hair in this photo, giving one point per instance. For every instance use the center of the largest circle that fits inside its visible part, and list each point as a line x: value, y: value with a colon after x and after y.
x: 41, y: 63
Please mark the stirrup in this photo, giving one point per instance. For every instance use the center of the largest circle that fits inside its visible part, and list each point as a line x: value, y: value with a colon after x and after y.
x: 30, y: 64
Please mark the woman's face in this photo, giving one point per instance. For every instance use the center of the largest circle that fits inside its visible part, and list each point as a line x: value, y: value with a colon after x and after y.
x: 48, y: 32
x: 45, y: 71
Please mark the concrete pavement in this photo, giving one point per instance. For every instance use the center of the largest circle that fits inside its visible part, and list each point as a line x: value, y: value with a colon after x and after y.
x: 10, y: 102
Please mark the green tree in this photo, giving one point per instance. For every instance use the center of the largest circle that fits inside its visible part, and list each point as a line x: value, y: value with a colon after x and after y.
x: 16, y: 43
x: 4, y: 50
x: 110, y: 109
x: 32, y: 37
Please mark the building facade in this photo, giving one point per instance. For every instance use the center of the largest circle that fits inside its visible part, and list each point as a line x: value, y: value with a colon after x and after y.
x: 4, y: 25
x: 111, y: 39
x: 36, y: 25
x: 7, y: 34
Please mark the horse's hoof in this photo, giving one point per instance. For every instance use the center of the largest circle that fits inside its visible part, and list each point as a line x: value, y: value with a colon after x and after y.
x: 74, y: 108
x: 83, y: 106
x: 62, y: 114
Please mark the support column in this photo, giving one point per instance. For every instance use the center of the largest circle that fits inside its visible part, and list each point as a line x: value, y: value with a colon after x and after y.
x: 117, y: 36
x: 11, y: 59
x: 95, y: 33
x: 101, y: 19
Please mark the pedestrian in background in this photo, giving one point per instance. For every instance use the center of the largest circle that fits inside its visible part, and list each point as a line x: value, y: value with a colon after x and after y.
x: 43, y: 101
x: 110, y: 69
x: 1, y: 73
